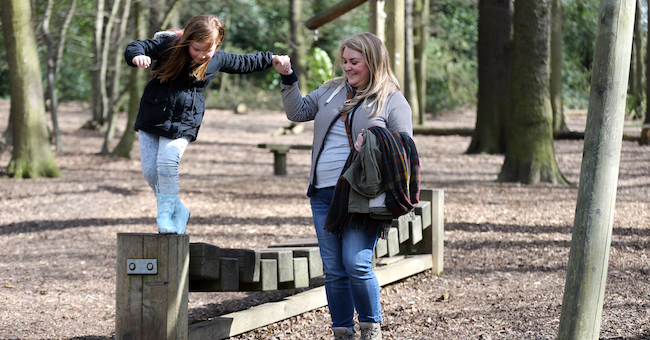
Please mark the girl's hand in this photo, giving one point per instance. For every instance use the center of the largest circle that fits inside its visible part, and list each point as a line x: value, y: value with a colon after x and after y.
x: 282, y: 64
x: 357, y: 144
x: 141, y: 61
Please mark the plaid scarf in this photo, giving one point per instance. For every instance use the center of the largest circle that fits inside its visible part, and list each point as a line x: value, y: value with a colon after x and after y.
x: 400, y: 171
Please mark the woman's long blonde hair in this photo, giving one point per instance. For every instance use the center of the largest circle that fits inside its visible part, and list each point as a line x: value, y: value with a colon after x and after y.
x: 382, y: 82
x: 201, y: 28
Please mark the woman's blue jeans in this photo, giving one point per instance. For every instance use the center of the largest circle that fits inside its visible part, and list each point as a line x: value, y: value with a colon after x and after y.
x: 350, y: 282
x: 160, y: 158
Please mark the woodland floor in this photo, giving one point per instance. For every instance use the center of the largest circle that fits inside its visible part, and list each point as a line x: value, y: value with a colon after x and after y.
x: 506, y: 245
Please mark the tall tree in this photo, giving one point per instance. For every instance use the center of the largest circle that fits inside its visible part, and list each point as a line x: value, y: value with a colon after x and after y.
x: 115, y: 96
x: 584, y: 291
x: 494, y: 62
x: 98, y: 108
x: 54, y: 56
x: 297, y: 42
x: 421, y: 19
x: 135, y: 86
x: 530, y: 153
x: 31, y: 155
x: 645, y: 130
x: 559, y: 123
x: 410, y: 87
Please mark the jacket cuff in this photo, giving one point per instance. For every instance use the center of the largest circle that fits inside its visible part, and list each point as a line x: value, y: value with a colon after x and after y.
x: 291, y: 78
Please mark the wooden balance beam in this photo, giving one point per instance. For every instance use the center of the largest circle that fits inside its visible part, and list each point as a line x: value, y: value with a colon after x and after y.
x: 155, y: 274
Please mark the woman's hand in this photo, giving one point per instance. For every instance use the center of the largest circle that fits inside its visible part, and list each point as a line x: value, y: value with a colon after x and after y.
x: 282, y: 64
x: 359, y: 142
x: 141, y: 61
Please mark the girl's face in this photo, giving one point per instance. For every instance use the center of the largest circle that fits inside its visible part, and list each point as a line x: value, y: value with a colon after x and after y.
x: 199, y: 52
x: 356, y: 68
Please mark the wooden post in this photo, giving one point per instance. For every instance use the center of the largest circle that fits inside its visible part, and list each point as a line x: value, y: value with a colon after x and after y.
x: 592, y: 230
x: 433, y: 236
x: 395, y: 37
x: 152, y: 306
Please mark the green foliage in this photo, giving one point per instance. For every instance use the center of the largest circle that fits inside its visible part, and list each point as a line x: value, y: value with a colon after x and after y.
x: 452, y: 58
x: 319, y: 68
x: 263, y: 25
x: 579, y: 35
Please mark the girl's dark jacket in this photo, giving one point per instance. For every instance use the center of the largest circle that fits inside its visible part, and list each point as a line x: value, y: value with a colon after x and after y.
x: 175, y: 108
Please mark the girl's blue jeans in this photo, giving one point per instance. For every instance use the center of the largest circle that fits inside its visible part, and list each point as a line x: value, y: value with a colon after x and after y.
x: 160, y: 158
x: 350, y: 282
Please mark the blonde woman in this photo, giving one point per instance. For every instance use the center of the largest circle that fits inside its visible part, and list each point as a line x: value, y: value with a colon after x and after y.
x: 366, y: 95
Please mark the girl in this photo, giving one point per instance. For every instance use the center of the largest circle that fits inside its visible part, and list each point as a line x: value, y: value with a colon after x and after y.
x: 172, y: 105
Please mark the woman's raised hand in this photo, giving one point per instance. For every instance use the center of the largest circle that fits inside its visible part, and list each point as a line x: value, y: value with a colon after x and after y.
x: 141, y: 61
x: 282, y: 64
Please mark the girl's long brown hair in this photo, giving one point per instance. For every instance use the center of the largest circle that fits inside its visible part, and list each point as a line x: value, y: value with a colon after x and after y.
x: 201, y: 28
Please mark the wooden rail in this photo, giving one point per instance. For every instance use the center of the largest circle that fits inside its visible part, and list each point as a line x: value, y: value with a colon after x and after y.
x: 154, y: 305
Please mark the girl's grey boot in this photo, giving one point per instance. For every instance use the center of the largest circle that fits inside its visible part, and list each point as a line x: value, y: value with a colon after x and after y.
x: 370, y: 330
x: 343, y: 333
x: 166, y: 206
x: 181, y: 216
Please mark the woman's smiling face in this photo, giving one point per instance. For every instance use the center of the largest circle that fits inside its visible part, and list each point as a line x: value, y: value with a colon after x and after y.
x: 355, y: 67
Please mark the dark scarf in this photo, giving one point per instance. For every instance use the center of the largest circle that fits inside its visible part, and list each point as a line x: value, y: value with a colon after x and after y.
x: 399, y: 157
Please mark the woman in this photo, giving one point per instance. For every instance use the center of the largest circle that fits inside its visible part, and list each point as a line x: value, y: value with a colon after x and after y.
x: 366, y: 95
x: 172, y: 106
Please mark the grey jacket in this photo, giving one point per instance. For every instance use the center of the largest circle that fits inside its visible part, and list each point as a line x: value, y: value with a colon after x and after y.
x: 322, y: 106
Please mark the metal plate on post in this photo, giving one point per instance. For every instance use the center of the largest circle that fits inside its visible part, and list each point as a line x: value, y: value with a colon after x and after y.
x: 142, y: 266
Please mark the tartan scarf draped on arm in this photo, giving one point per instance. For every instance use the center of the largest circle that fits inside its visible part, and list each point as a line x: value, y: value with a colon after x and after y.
x: 400, y: 171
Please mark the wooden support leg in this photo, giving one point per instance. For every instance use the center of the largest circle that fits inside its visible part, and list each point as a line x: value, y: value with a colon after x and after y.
x: 280, y: 162
x: 152, y: 305
x: 433, y: 242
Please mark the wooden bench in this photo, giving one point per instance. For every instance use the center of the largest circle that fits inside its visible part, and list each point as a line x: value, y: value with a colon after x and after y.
x: 280, y: 155
x: 153, y: 304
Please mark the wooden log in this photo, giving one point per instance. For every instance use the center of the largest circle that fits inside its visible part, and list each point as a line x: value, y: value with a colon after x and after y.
x: 382, y: 248
x: 300, y: 275
x: 331, y: 13
x: 152, y: 306
x: 297, y: 242
x: 204, y: 261
x: 402, y: 225
x: 284, y: 259
x: 423, y: 209
x: 228, y: 278
x: 393, y: 242
x: 313, y: 256
x: 268, y: 277
x: 416, y: 230
x: 249, y: 263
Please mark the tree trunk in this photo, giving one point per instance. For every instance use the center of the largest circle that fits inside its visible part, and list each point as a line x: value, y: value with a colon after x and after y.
x: 494, y: 62
x: 636, y: 67
x: 136, y: 81
x: 395, y: 37
x: 530, y: 153
x: 410, y: 85
x: 592, y: 228
x: 420, y: 53
x: 297, y: 43
x: 559, y: 123
x: 31, y: 156
x: 645, y: 129
x: 97, y: 118
x: 54, y: 55
x: 377, y: 18
x: 114, y: 95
